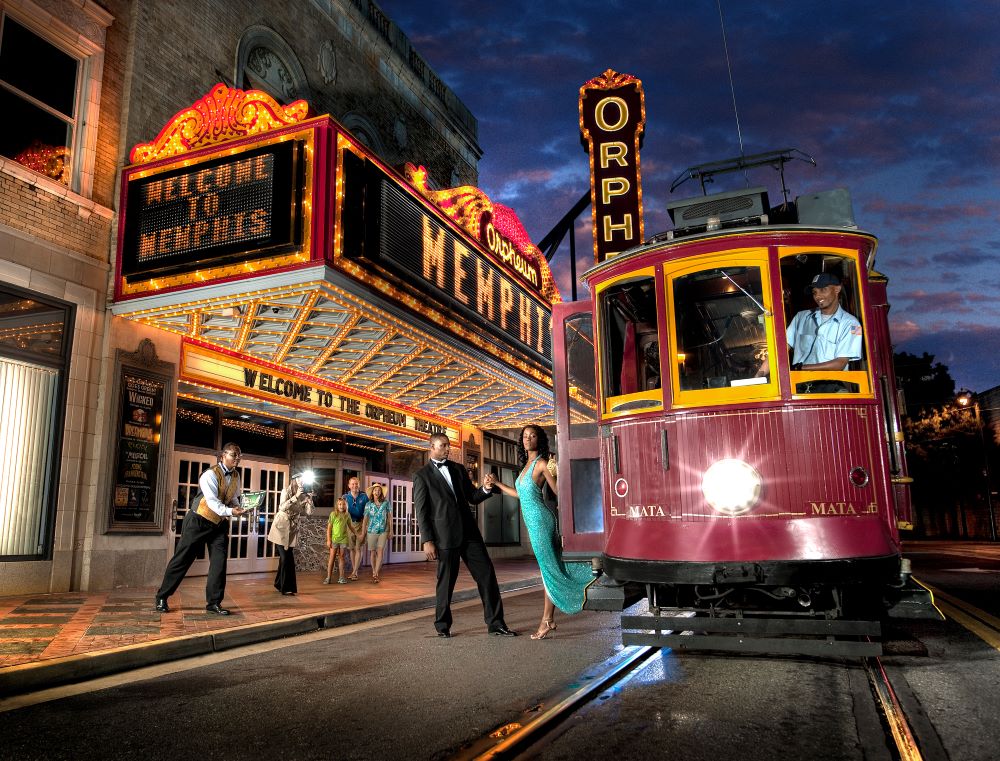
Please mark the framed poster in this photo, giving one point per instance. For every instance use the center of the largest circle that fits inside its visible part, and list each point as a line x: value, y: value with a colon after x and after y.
x: 144, y: 403
x: 138, y: 437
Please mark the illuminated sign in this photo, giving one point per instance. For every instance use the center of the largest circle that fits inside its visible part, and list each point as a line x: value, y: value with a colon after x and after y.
x: 612, y: 117
x: 415, y: 245
x: 505, y: 250
x: 213, y: 368
x: 240, y: 206
x: 495, y: 226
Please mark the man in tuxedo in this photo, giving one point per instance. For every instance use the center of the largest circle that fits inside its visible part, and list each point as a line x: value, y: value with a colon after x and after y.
x: 442, y: 491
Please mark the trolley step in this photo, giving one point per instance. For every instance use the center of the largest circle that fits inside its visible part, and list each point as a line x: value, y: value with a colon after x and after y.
x: 798, y: 636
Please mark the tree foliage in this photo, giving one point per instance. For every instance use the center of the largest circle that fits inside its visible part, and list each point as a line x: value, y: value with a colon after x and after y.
x: 946, y: 452
x: 926, y: 384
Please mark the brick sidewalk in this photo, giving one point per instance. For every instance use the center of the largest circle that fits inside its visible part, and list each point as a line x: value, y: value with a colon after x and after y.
x: 36, y: 628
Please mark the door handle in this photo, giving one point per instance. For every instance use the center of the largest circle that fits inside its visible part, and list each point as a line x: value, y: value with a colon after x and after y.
x: 664, y: 450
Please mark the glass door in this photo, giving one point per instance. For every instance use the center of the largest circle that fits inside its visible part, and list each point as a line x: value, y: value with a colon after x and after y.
x: 405, y: 546
x: 249, y: 550
x: 188, y: 467
x: 581, y: 504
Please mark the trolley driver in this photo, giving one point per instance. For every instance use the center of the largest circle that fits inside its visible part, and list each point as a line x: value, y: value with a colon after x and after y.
x: 828, y: 337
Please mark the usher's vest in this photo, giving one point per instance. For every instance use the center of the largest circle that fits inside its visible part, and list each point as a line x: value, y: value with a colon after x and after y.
x: 227, y: 490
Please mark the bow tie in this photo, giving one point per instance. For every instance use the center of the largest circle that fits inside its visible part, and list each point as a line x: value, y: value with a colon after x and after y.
x: 442, y: 464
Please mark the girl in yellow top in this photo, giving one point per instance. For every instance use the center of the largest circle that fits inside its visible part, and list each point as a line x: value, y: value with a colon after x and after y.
x: 337, y: 529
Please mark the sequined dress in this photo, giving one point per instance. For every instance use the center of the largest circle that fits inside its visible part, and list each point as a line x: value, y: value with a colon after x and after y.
x: 564, y: 582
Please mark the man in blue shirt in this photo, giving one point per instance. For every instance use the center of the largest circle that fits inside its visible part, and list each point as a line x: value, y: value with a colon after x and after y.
x: 828, y: 337
x: 356, y: 501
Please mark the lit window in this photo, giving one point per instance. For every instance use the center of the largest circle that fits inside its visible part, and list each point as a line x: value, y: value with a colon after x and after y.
x: 38, y: 97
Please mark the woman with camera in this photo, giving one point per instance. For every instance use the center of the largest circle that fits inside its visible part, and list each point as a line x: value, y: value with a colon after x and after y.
x: 285, y: 530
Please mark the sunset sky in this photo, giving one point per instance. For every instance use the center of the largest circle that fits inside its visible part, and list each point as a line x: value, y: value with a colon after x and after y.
x: 899, y: 102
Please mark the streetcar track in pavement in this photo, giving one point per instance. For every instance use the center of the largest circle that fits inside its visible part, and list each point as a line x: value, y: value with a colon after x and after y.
x: 890, y: 711
x: 517, y: 737
x: 513, y: 738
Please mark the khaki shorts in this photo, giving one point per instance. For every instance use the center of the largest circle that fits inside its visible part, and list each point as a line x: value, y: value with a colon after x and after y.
x: 353, y: 540
x: 377, y: 541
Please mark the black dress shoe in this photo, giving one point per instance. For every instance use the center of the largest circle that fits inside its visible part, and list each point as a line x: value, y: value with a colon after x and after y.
x: 502, y: 631
x: 161, y: 605
x: 217, y: 610
x: 445, y: 634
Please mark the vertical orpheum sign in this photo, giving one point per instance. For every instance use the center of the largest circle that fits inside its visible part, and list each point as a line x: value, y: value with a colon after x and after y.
x: 612, y: 117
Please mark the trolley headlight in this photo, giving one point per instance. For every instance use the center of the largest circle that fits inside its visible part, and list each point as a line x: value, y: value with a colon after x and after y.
x: 731, y: 486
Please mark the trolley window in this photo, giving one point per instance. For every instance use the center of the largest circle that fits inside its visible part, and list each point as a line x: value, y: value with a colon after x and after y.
x: 581, y: 383
x: 630, y: 344
x: 722, y: 330
x: 824, y: 321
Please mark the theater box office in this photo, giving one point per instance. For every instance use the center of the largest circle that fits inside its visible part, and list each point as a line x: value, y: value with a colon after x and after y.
x: 320, y: 309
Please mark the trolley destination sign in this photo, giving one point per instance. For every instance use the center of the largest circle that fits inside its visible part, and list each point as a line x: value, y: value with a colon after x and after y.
x: 207, y: 366
x: 241, y: 206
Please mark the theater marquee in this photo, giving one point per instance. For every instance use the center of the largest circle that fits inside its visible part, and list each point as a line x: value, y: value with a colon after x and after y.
x: 245, y: 205
x: 504, y: 292
x: 210, y: 367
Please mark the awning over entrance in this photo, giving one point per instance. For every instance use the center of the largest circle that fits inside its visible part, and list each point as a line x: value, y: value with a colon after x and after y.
x: 341, y: 340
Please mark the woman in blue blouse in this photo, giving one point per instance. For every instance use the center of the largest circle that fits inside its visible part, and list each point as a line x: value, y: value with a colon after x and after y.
x: 377, y: 527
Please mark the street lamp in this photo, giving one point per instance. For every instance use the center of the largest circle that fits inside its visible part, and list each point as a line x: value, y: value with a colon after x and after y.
x: 966, y: 398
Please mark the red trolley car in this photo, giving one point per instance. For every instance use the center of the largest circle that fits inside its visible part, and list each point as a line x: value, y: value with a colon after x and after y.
x: 733, y: 483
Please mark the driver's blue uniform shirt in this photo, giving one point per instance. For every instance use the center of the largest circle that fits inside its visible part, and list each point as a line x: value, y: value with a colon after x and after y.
x: 817, y: 338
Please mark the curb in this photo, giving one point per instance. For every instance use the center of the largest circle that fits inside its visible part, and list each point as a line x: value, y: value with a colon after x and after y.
x: 31, y: 677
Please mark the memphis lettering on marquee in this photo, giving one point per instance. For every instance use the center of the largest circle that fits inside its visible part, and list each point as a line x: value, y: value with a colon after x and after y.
x: 612, y: 117
x: 481, y: 287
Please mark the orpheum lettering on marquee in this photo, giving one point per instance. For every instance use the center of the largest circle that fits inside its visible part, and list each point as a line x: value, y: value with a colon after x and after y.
x: 211, y: 367
x: 612, y: 118
x: 509, y: 255
x: 244, y: 205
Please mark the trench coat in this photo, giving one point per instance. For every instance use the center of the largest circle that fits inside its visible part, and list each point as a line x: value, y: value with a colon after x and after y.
x: 285, y: 527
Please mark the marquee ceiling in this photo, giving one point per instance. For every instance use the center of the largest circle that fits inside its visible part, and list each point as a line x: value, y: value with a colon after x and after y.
x: 333, y: 334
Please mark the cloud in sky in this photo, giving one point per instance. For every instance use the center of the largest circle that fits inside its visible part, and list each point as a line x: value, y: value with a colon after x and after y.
x: 895, y: 101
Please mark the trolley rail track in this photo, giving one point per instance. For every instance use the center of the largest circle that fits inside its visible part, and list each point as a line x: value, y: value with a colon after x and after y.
x: 514, y: 739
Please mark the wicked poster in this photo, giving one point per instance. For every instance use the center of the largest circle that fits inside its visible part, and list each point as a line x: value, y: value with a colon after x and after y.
x: 138, y: 455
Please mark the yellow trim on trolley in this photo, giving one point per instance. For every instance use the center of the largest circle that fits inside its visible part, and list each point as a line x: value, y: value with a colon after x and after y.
x: 624, y: 404
x: 749, y: 257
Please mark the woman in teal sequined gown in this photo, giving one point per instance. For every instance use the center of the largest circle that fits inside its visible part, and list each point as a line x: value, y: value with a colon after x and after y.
x: 564, y: 582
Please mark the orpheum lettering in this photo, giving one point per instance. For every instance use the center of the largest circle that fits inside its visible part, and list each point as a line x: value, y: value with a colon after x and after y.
x: 612, y: 117
x: 510, y: 256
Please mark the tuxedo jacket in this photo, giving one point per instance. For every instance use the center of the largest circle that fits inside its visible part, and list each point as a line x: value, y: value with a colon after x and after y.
x: 444, y: 515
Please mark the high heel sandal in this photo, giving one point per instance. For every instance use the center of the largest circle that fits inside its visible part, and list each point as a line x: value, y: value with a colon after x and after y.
x: 547, y: 627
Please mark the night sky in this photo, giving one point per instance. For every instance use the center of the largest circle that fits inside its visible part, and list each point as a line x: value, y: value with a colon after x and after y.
x: 897, y: 101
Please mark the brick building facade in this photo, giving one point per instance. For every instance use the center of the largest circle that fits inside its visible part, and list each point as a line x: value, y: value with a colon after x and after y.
x: 138, y: 63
